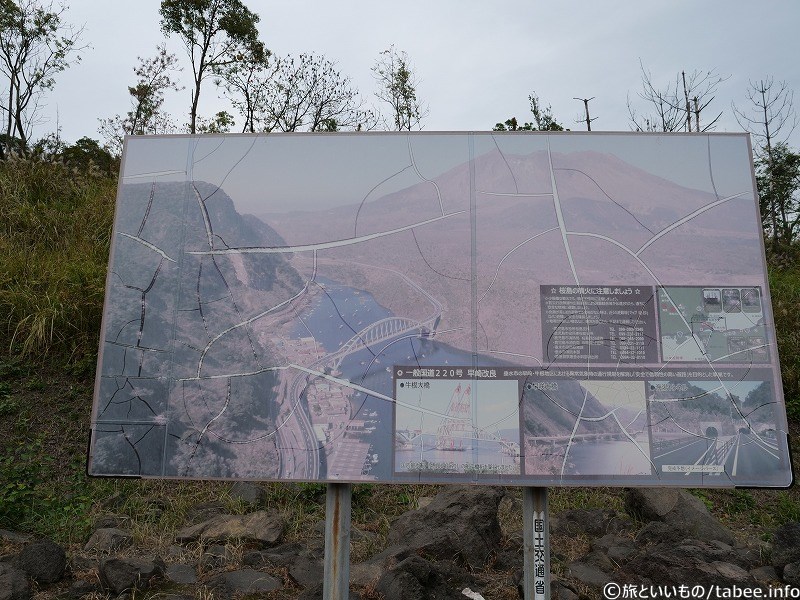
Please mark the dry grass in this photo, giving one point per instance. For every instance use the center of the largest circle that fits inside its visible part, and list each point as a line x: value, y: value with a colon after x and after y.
x: 54, y: 240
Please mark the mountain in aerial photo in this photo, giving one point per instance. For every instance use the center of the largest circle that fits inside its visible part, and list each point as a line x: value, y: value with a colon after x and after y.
x: 168, y: 327
x: 518, y: 244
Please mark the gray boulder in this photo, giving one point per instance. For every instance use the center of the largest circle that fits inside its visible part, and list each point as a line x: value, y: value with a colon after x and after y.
x: 125, y: 574
x: 732, y: 573
x: 419, y: 579
x: 593, y: 569
x: 703, y: 551
x: 594, y: 522
x: 390, y: 557
x: 13, y: 583
x: 603, y: 544
x: 204, y: 511
x: 366, y: 574
x: 279, y: 555
x: 303, y: 565
x: 43, y: 561
x: 306, y: 571
x: 79, y: 563
x: 110, y: 522
x: 786, y: 545
x: 81, y: 588
x: 215, y: 557
x: 588, y: 574
x: 248, y: 493
x: 262, y: 527
x: 766, y: 576
x: 656, y: 532
x: 461, y: 521
x: 559, y: 591
x: 109, y: 540
x: 677, y: 508
x: 244, y: 581
x: 693, y: 561
x: 181, y: 574
x: 791, y: 573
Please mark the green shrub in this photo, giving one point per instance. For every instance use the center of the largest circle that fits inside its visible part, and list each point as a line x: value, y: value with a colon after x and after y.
x: 34, y: 498
x: 21, y: 471
x: 785, y: 290
x: 8, y: 405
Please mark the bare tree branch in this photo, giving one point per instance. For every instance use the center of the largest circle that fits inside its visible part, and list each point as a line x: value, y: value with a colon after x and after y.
x: 154, y: 78
x: 678, y: 105
x: 771, y: 121
x: 397, y: 87
x: 307, y: 93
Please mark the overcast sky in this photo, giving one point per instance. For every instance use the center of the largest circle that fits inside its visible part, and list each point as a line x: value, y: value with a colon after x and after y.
x: 476, y: 61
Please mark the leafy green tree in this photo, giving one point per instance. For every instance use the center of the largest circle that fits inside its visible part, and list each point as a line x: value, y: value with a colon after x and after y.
x: 35, y: 45
x: 543, y: 119
x: 154, y: 78
x: 222, y: 122
x: 86, y: 154
x: 512, y: 125
x: 778, y: 178
x: 397, y: 86
x: 215, y: 33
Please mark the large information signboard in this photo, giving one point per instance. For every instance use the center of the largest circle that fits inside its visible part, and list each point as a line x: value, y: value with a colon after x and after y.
x: 538, y: 309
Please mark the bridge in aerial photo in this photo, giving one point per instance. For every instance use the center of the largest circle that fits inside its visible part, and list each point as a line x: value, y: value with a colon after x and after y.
x: 380, y: 331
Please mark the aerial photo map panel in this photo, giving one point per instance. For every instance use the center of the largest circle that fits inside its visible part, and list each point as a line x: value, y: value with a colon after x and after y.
x: 502, y: 308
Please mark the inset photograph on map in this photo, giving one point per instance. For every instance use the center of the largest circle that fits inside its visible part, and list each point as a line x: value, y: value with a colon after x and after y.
x: 714, y: 429
x: 712, y: 301
x: 712, y: 325
x: 596, y: 427
x: 457, y: 426
x: 731, y: 300
x: 751, y: 300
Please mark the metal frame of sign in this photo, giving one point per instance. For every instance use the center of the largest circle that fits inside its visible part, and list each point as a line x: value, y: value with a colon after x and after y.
x: 534, y: 309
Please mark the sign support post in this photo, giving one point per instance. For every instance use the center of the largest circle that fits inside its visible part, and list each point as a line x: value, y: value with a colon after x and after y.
x: 337, y: 542
x: 536, y: 537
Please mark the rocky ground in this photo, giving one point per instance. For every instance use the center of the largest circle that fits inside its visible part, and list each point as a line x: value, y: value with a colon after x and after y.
x: 454, y: 541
